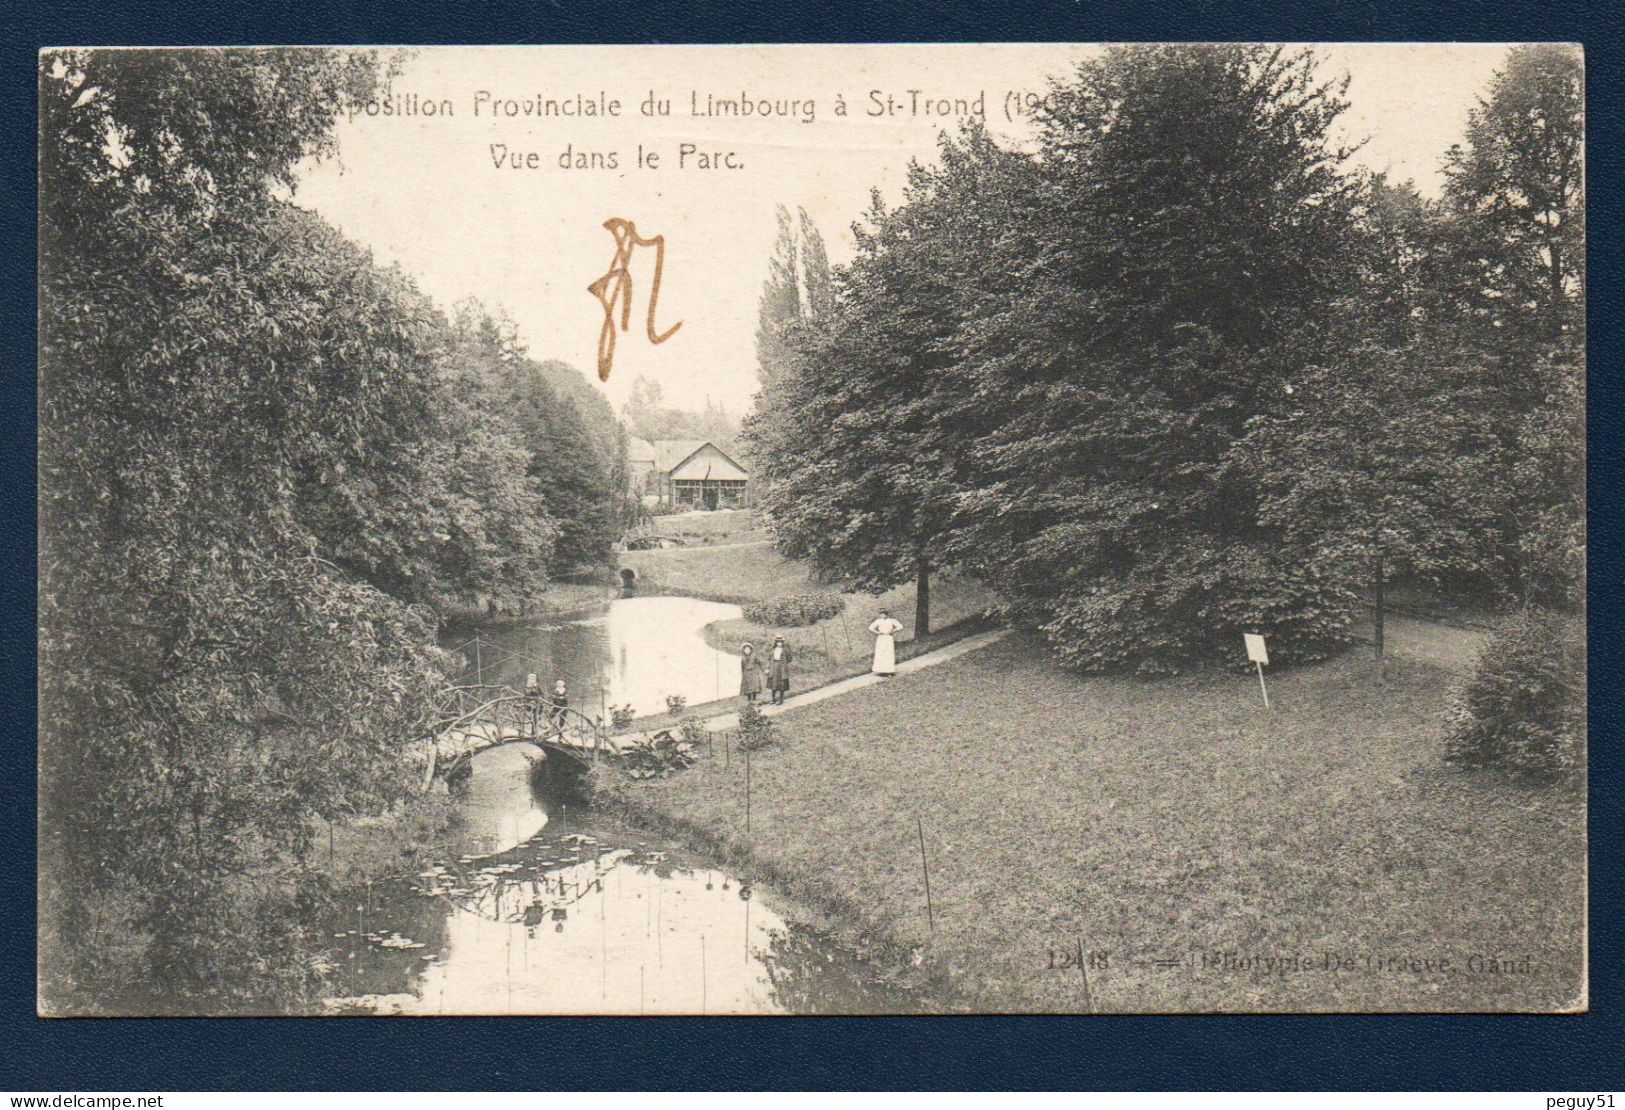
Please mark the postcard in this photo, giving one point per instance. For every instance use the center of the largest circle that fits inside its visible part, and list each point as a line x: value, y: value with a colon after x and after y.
x: 812, y: 529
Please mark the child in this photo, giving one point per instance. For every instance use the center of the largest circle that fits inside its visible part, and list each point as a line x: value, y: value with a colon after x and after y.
x: 533, y: 700
x: 557, y: 703
x: 778, y: 669
x: 750, y: 673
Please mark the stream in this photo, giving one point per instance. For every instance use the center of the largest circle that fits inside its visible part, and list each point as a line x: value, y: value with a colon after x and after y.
x: 540, y: 906
x: 630, y: 651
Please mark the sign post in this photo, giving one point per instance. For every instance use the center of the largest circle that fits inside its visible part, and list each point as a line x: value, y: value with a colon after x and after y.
x: 1260, y: 656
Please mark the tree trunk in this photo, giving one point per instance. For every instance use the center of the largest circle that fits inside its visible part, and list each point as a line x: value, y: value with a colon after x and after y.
x: 1377, y: 621
x: 922, y: 597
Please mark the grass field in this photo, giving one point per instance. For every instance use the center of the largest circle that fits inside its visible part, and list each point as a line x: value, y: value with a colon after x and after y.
x: 738, y: 573
x: 705, y: 528
x: 834, y: 642
x: 1317, y: 856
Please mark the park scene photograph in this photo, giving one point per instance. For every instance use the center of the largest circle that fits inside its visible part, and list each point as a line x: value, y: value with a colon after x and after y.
x: 812, y: 529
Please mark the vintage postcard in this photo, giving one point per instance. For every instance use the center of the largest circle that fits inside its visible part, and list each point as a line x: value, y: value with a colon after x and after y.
x: 814, y: 529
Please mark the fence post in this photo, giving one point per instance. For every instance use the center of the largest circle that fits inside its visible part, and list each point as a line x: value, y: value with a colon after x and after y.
x: 930, y: 910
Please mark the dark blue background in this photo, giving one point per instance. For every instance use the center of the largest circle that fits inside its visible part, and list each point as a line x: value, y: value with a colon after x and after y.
x: 1563, y: 1053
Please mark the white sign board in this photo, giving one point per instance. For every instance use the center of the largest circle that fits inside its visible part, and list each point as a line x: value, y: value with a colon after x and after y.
x: 1256, y: 652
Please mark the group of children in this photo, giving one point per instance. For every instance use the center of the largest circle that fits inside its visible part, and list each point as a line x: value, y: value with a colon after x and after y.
x: 771, y: 672
x: 554, y: 703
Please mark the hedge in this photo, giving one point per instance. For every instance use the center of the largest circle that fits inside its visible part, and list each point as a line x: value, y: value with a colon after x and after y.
x: 797, y: 609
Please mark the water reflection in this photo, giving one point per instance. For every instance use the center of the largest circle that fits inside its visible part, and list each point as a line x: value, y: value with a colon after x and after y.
x: 580, y: 920
x: 499, y: 808
x: 633, y: 650
x: 597, y: 931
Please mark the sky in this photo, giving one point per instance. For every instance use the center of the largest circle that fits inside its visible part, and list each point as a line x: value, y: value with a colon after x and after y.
x: 441, y: 194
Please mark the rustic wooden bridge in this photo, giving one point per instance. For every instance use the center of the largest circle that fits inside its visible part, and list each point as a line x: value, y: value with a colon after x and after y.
x: 482, y: 717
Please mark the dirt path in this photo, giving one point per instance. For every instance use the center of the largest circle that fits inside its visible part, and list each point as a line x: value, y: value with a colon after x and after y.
x: 1449, y: 646
x: 724, y: 721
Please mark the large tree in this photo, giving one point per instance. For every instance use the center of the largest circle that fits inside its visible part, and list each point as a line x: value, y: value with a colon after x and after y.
x: 1378, y: 466
x: 1518, y: 186
x: 1515, y: 259
x: 1437, y: 438
x: 799, y: 291
x: 868, y: 495
x: 1192, y: 227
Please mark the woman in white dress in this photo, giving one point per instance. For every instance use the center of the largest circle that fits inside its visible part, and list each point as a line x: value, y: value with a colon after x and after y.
x: 885, y: 629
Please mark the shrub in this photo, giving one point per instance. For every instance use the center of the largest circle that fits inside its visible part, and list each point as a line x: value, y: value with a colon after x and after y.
x: 675, y: 703
x: 755, y: 730
x: 622, y: 716
x: 795, y: 610
x: 1177, y: 614
x: 658, y: 756
x: 1524, y: 707
x: 694, y: 731
x: 1552, y: 554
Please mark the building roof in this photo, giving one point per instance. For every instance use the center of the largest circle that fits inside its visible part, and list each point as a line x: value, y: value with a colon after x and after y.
x: 640, y: 450
x: 708, y: 463
x: 672, y: 454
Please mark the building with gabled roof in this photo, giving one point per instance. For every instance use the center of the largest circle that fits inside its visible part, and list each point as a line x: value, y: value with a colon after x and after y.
x: 691, y: 474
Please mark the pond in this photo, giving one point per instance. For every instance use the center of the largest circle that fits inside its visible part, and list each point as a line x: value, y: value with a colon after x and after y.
x: 629, y: 651
x: 540, y: 907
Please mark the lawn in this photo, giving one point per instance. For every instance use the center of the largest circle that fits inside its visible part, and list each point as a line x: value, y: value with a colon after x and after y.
x: 1174, y: 820
x: 738, y: 573
x: 833, y: 644
x: 701, y: 528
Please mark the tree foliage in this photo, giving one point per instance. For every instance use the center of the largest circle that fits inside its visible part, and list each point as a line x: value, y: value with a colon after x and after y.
x: 572, y: 450
x: 799, y: 290
x: 1182, y: 371
x: 857, y: 439
x: 650, y: 418
x: 1524, y: 708
x: 261, y: 454
x: 1190, y: 228
x: 1517, y: 186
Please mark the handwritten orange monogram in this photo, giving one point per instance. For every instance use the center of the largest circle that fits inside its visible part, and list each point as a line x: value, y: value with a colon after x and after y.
x: 616, y: 286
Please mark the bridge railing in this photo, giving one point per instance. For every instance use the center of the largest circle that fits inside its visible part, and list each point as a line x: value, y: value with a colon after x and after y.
x: 473, y: 718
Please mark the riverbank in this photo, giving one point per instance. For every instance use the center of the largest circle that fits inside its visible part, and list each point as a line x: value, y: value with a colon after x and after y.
x: 809, y: 674
x: 559, y: 599
x: 1174, y: 831
x: 825, y: 651
x: 378, y: 846
x: 709, y: 529
x: 823, y: 964
x: 892, y: 968
x: 733, y: 573
x: 845, y: 638
x: 270, y: 916
x: 546, y: 905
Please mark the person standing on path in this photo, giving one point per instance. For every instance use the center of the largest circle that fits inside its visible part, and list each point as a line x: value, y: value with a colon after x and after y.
x: 885, y: 629
x: 750, y: 673
x: 779, y: 659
